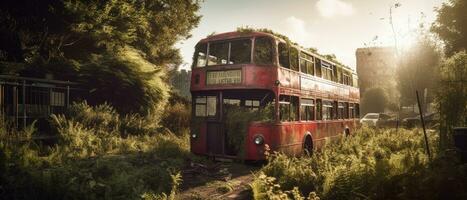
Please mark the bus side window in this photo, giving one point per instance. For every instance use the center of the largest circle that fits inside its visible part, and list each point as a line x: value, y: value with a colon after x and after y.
x: 288, y: 108
x: 327, y: 110
x: 318, y: 67
x: 346, y: 110
x: 294, y: 59
x: 341, y: 110
x: 263, y: 53
x: 294, y: 108
x: 319, y: 109
x: 307, y: 109
x: 339, y: 75
x: 284, y: 108
x: 283, y: 55
x: 334, y: 73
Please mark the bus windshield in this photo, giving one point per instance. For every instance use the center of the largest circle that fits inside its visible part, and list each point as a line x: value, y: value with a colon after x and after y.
x: 223, y: 53
x: 230, y: 52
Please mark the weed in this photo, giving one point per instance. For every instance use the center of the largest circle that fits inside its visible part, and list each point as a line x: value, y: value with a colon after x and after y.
x: 373, y: 164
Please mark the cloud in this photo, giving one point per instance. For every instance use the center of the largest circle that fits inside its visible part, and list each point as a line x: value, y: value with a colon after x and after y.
x: 330, y: 8
x: 295, y: 28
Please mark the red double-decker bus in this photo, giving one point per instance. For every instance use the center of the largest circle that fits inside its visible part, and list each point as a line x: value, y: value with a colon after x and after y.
x: 312, y: 98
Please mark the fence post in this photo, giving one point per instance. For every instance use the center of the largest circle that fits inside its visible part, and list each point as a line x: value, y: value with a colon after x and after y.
x: 24, y: 104
x: 67, y: 96
x: 423, y: 125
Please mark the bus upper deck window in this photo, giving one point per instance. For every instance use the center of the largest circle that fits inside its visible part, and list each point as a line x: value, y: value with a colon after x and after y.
x: 263, y: 53
x: 218, y: 53
x: 294, y: 59
x: 200, y: 55
x: 283, y: 55
x: 318, y: 67
x: 240, y: 51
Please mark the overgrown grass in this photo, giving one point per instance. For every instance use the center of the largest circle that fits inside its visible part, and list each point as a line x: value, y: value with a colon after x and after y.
x: 99, y: 155
x: 373, y: 164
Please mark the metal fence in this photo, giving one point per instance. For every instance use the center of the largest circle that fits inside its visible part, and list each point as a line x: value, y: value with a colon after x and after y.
x: 25, y: 100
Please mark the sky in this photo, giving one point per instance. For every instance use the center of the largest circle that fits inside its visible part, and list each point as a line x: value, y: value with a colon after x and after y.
x: 332, y: 26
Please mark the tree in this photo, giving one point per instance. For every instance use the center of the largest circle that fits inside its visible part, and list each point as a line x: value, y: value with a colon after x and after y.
x: 130, y: 42
x: 374, y: 100
x: 451, y: 26
x: 452, y: 95
x: 418, y: 70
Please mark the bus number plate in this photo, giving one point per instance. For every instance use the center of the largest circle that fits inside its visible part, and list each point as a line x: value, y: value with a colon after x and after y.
x: 224, y: 77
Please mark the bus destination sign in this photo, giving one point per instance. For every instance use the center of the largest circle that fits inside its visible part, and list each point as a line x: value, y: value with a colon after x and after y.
x: 224, y: 77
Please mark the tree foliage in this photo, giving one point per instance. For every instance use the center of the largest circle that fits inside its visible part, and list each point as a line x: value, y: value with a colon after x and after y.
x: 374, y: 100
x: 451, y: 25
x: 419, y: 70
x: 120, y: 48
x: 452, y: 94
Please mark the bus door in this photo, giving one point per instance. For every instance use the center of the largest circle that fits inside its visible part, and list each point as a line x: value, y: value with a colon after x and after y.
x: 206, y: 107
x: 215, y: 136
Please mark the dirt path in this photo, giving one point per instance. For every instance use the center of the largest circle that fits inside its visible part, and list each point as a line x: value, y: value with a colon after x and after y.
x: 219, y: 180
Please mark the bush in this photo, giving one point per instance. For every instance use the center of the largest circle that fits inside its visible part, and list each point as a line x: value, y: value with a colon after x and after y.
x: 177, y: 118
x: 373, y: 164
x: 104, y: 119
x: 452, y: 96
x: 374, y: 100
x: 91, y: 160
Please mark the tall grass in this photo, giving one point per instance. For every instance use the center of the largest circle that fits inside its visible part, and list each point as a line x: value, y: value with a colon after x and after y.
x: 373, y: 164
x: 99, y: 155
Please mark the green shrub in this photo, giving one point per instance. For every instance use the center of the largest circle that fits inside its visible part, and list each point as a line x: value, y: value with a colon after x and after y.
x: 105, y: 119
x: 238, y: 119
x: 372, y: 164
x: 177, y: 118
x: 91, y: 159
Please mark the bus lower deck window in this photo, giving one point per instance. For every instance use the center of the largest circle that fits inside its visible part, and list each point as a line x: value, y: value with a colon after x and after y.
x: 341, y: 111
x: 327, y: 110
x: 307, y: 109
x: 288, y: 107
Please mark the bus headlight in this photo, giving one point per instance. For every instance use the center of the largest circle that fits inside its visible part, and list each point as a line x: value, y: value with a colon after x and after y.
x: 258, y: 140
x: 194, y: 135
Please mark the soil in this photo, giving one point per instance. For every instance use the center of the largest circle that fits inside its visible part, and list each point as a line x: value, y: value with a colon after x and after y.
x: 217, y: 180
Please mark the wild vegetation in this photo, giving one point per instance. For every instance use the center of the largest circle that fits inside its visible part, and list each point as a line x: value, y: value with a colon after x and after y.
x: 238, y: 119
x: 99, y: 154
x: 372, y: 164
x: 104, y: 45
